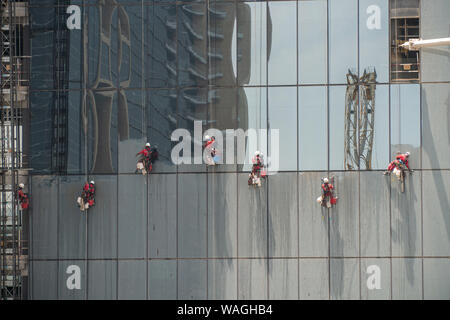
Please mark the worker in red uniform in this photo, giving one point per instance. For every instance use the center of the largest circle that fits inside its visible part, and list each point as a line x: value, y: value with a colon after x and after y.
x: 258, y: 165
x: 327, y: 198
x: 209, y: 141
x: 147, y: 156
x: 210, y: 149
x: 89, y: 193
x: 400, y: 159
x: 22, y: 197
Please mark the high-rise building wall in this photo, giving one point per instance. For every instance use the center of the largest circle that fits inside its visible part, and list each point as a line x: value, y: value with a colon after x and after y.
x: 327, y: 74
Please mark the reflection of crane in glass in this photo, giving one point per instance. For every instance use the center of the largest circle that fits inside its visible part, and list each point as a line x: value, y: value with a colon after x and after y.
x: 359, y: 119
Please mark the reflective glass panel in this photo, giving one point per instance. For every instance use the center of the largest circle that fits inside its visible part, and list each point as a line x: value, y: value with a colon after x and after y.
x: 283, y: 117
x: 343, y: 39
x: 252, y: 114
x: 374, y: 38
x: 312, y: 131
x: 222, y: 50
x: 192, y: 45
x: 405, y: 121
x: 312, y: 41
x: 252, y: 43
x: 435, y: 21
x: 282, y: 41
x: 160, y: 49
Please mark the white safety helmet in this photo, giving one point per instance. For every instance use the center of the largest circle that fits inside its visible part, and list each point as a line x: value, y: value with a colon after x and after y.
x: 21, y: 185
x: 92, y: 181
x: 325, y: 180
x: 257, y: 153
x: 207, y: 137
x: 407, y: 154
x: 147, y: 144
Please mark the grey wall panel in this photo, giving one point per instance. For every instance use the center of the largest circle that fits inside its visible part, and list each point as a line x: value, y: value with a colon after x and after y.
x: 406, y: 278
x: 102, y: 219
x: 64, y: 291
x: 72, y: 222
x: 192, y: 277
x: 222, y: 279
x: 252, y: 218
x: 252, y: 279
x: 222, y: 215
x: 102, y: 280
x: 44, y: 208
x: 162, y: 279
x: 192, y: 216
x: 132, y: 233
x: 436, y: 213
x: 344, y: 217
x: 162, y: 216
x: 314, y: 279
x: 436, y: 278
x: 369, y: 290
x: 132, y: 280
x: 44, y: 280
x: 283, y: 215
x: 435, y: 126
x: 283, y: 279
x: 344, y: 279
x: 374, y: 214
x: 313, y: 219
x: 406, y: 216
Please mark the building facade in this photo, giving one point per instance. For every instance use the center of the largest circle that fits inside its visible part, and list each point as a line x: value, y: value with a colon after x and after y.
x: 108, y: 76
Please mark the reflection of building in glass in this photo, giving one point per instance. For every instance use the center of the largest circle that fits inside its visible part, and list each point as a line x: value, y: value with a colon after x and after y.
x: 404, y: 26
x: 109, y: 63
x: 359, y: 119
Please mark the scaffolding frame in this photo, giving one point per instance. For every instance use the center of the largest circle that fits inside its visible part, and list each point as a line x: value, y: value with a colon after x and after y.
x: 14, y: 81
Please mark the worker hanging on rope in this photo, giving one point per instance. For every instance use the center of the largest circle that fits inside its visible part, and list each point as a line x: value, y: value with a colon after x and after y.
x: 22, y: 197
x: 400, y: 163
x: 211, y: 154
x: 327, y: 199
x: 258, y: 171
x: 147, y: 156
x: 87, y: 198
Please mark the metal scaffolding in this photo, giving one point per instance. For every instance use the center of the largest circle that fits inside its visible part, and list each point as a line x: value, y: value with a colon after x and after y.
x: 14, y: 81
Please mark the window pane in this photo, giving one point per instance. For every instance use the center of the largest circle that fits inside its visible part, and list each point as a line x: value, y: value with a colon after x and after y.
x: 160, y: 47
x: 222, y: 43
x: 373, y: 126
x: 192, y: 57
x: 338, y: 134
x: 252, y: 114
x: 102, y: 51
x: 131, y: 65
x: 436, y: 121
x: 374, y: 38
x: 435, y: 24
x: 131, y: 128
x: 283, y: 116
x: 222, y: 116
x: 282, y: 60
x: 343, y: 39
x: 102, y: 119
x: 312, y: 121
x: 161, y: 108
x: 405, y: 121
x: 252, y: 43
x: 312, y: 41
